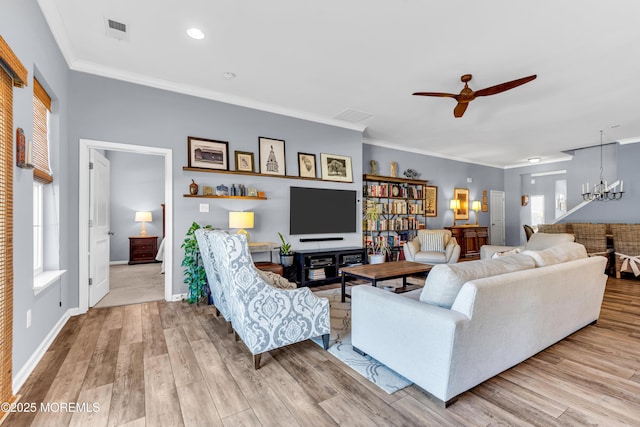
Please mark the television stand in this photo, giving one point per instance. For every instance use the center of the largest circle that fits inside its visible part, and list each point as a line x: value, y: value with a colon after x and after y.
x: 316, y: 267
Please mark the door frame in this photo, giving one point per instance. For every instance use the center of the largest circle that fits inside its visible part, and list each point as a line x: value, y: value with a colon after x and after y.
x: 83, y: 212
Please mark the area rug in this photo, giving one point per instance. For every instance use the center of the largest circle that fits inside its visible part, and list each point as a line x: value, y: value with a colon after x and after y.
x: 340, y: 346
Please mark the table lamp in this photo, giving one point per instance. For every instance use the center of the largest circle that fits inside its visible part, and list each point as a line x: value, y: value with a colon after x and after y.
x: 454, y: 205
x: 476, y: 206
x: 143, y: 217
x: 241, y: 220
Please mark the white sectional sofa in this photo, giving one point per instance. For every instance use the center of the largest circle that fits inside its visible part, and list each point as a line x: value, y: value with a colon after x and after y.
x: 537, y: 242
x: 475, y: 319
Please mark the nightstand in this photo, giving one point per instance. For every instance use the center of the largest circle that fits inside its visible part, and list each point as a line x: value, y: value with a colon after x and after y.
x: 142, y: 249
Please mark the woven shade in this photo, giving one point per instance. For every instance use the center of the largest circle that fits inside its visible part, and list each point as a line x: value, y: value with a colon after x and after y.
x: 12, y: 65
x: 40, y: 144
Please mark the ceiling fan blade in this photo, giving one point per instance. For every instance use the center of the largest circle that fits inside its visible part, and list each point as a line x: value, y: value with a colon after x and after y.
x: 460, y: 109
x: 439, y: 94
x: 504, y: 86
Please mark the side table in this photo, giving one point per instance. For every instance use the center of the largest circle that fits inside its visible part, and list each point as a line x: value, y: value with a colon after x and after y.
x: 142, y: 249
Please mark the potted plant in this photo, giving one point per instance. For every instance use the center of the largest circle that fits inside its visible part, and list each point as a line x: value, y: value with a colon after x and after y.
x: 379, y: 250
x: 286, y: 254
x: 195, y: 275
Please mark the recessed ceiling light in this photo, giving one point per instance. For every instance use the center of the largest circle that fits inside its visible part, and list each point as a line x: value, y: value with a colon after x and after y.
x: 534, y: 160
x: 229, y: 75
x: 195, y: 33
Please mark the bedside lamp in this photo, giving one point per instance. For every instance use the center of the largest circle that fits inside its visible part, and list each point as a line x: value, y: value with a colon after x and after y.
x: 143, y: 217
x: 476, y: 206
x: 454, y: 205
x: 241, y: 220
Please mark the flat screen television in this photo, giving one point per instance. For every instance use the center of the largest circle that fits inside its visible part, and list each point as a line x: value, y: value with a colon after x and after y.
x: 321, y: 211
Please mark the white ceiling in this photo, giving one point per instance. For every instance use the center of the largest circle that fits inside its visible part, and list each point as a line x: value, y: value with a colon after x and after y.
x: 315, y: 59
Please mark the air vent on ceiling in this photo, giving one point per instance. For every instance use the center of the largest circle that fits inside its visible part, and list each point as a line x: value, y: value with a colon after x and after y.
x: 115, y: 29
x: 353, y: 116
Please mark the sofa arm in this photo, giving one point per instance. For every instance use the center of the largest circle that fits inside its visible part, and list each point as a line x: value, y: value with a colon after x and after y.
x: 410, y: 249
x: 452, y: 251
x: 413, y: 338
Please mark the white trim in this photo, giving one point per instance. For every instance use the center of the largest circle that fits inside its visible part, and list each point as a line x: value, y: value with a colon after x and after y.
x: 179, y: 297
x: 556, y: 172
x: 42, y: 281
x: 21, y: 376
x: 119, y: 262
x: 83, y: 215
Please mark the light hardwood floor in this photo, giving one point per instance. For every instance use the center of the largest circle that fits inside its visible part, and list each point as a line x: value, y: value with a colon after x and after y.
x: 171, y: 364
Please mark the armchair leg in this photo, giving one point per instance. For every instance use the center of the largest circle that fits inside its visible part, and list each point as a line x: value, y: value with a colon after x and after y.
x: 325, y: 341
x: 256, y: 361
x: 236, y: 337
x: 217, y: 312
x: 229, y: 327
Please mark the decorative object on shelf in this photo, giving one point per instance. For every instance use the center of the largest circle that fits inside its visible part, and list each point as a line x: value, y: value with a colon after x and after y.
x: 261, y: 194
x: 207, y: 191
x: 241, y: 220
x: 222, y: 190
x: 193, y: 188
x: 485, y: 202
x: 195, y: 275
x: 602, y: 191
x: 394, y: 169
x: 476, y: 206
x: 208, y: 153
x: 306, y: 165
x: 454, y: 205
x: 431, y: 201
x: 23, y: 151
x: 336, y: 167
x: 252, y: 192
x: 286, y: 254
x: 374, y: 167
x: 143, y: 217
x: 411, y: 174
x: 462, y: 211
x: 524, y: 200
x: 244, y: 161
x: 272, y: 158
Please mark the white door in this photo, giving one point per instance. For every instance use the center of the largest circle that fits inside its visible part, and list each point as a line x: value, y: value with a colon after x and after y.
x: 99, y: 230
x: 497, y: 217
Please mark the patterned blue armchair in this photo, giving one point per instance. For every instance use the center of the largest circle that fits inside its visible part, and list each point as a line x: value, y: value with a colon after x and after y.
x: 213, y: 277
x: 264, y: 317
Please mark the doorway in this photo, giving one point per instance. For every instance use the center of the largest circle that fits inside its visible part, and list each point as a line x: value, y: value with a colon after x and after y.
x: 496, y: 217
x: 86, y: 147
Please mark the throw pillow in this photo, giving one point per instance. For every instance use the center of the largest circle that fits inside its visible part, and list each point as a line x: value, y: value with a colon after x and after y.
x: 445, y: 280
x: 276, y: 280
x: 432, y: 242
x: 557, y: 254
x: 505, y: 253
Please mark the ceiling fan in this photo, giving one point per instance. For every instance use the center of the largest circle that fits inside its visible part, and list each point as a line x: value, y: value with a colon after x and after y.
x: 467, y: 94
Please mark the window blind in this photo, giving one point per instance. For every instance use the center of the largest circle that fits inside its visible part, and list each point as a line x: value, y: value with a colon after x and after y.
x: 40, y: 141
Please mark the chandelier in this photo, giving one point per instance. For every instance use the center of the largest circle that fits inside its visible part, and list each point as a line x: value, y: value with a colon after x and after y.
x: 602, y: 191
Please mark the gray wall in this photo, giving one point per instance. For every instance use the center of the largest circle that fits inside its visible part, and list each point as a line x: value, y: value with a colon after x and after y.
x: 137, y: 184
x: 444, y: 173
x: 27, y: 33
x: 133, y: 114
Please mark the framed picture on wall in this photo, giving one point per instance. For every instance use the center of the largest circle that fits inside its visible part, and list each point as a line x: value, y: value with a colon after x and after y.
x: 208, y: 153
x: 306, y: 165
x: 431, y: 201
x: 336, y: 168
x: 272, y: 159
x: 461, y: 194
x: 244, y: 161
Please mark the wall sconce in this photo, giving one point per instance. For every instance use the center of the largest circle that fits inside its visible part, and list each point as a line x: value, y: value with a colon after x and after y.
x: 454, y: 205
x: 476, y: 206
x: 525, y: 200
x: 143, y: 217
x: 241, y: 220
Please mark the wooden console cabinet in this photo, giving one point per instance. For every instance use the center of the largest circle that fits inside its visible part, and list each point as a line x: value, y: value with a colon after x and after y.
x: 142, y: 249
x: 321, y: 266
x: 470, y: 238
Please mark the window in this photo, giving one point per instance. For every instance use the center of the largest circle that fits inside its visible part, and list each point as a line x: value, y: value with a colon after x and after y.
x: 38, y: 230
x: 40, y: 148
x: 537, y: 209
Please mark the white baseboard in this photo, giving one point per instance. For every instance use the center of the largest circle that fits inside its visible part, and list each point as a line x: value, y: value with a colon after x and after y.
x: 21, y: 376
x: 179, y: 297
x: 118, y: 262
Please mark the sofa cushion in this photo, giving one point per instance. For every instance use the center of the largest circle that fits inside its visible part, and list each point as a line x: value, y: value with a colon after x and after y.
x: 540, y: 241
x: 428, y: 257
x: 556, y: 254
x: 445, y: 280
x: 276, y: 280
x: 432, y: 241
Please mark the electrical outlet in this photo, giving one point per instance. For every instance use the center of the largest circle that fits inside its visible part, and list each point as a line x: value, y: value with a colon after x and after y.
x: 29, y: 318
x: 204, y: 207
x: 469, y: 180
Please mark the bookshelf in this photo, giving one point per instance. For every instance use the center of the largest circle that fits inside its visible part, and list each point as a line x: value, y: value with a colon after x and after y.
x: 393, y: 210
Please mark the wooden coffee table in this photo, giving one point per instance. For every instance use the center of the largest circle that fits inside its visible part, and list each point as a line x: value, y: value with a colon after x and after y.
x: 384, y: 271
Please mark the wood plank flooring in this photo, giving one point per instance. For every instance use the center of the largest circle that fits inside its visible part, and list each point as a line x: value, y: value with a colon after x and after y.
x: 172, y: 364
